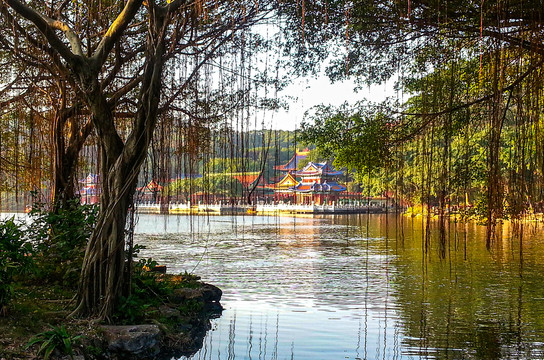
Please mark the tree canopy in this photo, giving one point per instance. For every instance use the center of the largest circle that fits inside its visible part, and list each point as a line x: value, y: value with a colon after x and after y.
x: 465, y: 125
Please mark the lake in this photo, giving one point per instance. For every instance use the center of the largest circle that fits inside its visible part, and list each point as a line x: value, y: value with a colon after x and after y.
x: 359, y: 286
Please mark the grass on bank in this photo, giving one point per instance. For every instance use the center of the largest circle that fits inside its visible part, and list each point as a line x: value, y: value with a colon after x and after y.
x: 34, y: 309
x: 39, y: 265
x: 39, y: 313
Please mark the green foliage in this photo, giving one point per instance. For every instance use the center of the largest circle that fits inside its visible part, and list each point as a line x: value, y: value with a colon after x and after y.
x: 278, y: 146
x: 191, y: 306
x: 15, y: 258
x: 357, y: 137
x: 473, y: 120
x: 230, y: 165
x: 186, y: 279
x: 132, y: 308
x: 443, y: 146
x: 61, y: 237
x: 479, y: 211
x: 94, y: 351
x: 57, y: 339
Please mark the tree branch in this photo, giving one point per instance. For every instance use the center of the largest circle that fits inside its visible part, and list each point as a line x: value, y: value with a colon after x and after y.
x: 61, y: 68
x: 124, y: 90
x: 47, y: 27
x: 119, y: 62
x: 115, y: 31
x: 174, y: 5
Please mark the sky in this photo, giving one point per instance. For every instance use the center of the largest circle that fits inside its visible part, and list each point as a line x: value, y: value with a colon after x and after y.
x: 310, y: 92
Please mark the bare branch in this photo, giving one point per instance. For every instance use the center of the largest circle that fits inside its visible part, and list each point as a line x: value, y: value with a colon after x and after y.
x: 43, y: 46
x: 119, y: 61
x: 125, y: 90
x: 17, y: 98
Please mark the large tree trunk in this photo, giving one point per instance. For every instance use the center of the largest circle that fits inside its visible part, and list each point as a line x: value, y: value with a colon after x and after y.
x: 64, y: 186
x: 102, y: 274
x: 64, y: 165
x: 105, y: 271
x: 66, y: 155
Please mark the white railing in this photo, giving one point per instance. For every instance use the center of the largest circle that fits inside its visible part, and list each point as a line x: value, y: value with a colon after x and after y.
x: 148, y: 207
x: 175, y: 207
x: 151, y: 207
x: 210, y: 207
x: 313, y: 208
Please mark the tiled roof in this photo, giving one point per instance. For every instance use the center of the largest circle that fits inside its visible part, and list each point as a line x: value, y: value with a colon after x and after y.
x: 247, y: 179
x: 293, y: 163
x: 318, y: 169
x: 152, y: 186
x: 285, y: 183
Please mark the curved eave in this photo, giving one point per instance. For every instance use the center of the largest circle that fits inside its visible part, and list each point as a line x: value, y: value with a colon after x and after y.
x: 318, y: 173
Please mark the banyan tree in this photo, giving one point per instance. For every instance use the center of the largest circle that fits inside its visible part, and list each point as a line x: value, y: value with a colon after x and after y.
x: 152, y: 80
x: 117, y: 69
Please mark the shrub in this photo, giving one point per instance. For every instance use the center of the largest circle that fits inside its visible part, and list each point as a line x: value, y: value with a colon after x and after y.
x: 61, y: 236
x: 15, y: 258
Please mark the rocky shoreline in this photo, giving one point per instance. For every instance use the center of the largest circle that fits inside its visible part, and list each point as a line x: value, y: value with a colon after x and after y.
x: 173, y: 327
x: 184, y: 321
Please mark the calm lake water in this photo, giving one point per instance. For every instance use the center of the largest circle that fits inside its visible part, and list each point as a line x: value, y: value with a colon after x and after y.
x: 359, y: 286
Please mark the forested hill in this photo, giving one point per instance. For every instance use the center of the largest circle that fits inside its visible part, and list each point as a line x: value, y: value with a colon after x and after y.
x: 278, y: 146
x: 221, y: 151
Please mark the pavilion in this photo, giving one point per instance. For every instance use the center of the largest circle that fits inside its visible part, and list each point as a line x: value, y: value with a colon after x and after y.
x: 292, y: 165
x: 318, y: 184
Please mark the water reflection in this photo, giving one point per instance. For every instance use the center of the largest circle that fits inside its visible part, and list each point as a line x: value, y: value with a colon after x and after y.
x: 466, y: 299
x: 358, y: 287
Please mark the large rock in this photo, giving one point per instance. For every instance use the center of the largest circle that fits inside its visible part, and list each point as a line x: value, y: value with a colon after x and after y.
x: 133, y: 341
x: 206, y: 293
x: 181, y: 295
x: 211, y: 293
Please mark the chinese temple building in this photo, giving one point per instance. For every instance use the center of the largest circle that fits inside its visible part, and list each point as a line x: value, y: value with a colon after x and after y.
x: 318, y: 184
x: 248, y: 179
x: 285, y: 184
x: 90, y: 192
x: 149, y: 192
x: 283, y: 188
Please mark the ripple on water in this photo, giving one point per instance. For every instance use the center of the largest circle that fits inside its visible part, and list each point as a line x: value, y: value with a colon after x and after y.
x: 344, y: 287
